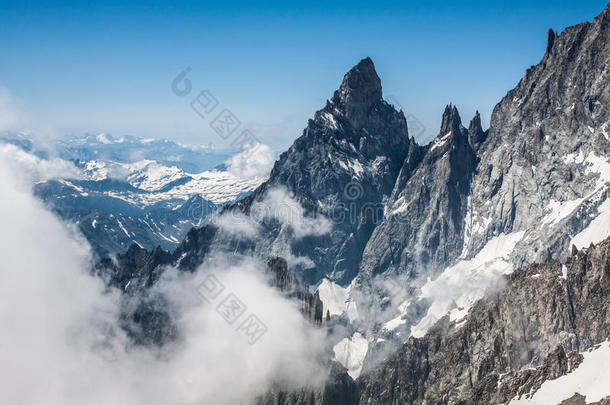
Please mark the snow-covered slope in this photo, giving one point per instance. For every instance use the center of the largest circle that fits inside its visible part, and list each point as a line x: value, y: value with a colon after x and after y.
x: 466, y: 282
x: 590, y: 379
x: 156, y: 182
x: 350, y: 353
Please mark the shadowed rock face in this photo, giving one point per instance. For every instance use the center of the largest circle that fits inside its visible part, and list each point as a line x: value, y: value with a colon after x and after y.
x: 310, y: 304
x: 360, y: 89
x: 343, y: 167
x: 339, y: 388
x: 476, y: 135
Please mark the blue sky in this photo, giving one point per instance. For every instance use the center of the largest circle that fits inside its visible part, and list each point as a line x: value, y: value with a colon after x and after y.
x: 75, y: 68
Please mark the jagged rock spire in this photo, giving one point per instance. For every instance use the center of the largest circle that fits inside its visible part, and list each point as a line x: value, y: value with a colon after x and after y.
x: 550, y: 39
x: 475, y: 123
x: 360, y: 89
x: 476, y: 135
x: 451, y: 120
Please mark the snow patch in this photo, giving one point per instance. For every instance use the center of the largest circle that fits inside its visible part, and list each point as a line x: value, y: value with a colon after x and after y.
x: 104, y: 138
x: 123, y: 228
x: 219, y: 187
x: 560, y: 210
x: 352, y: 165
x: 350, y: 353
x: 399, y: 320
x: 337, y: 300
x: 594, y: 164
x: 333, y: 296
x: 394, y: 323
x: 330, y: 120
x: 597, y: 230
x: 438, y: 142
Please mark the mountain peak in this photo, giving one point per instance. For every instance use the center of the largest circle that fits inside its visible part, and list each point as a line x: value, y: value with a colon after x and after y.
x: 451, y: 120
x: 475, y: 123
x: 476, y: 135
x: 550, y: 40
x: 359, y: 90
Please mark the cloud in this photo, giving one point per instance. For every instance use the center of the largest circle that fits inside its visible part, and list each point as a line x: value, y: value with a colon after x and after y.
x: 34, y: 168
x: 279, y: 204
x: 62, y: 343
x: 237, y: 224
x: 218, y: 359
x: 255, y: 161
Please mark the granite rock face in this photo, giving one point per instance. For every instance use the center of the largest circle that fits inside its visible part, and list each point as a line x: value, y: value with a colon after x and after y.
x: 397, y: 207
x: 533, y: 322
x: 578, y: 399
x: 423, y: 226
x: 343, y: 167
x: 540, y: 169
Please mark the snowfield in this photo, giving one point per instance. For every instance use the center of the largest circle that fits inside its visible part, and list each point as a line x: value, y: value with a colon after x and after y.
x: 461, y: 285
x: 155, y: 180
x: 350, y: 352
x: 590, y: 378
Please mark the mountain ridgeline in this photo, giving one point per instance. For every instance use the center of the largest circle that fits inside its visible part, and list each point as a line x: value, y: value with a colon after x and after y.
x: 397, y: 208
x: 354, y: 157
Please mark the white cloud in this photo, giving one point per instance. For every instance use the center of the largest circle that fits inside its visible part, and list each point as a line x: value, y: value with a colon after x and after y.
x: 34, y: 168
x: 235, y: 223
x: 255, y: 161
x: 61, y: 343
x: 278, y: 203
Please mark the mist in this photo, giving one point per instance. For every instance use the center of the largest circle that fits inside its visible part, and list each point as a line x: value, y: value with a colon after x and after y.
x: 61, y: 342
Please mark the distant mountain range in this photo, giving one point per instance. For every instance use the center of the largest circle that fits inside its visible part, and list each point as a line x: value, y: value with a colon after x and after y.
x: 131, y: 190
x: 124, y: 149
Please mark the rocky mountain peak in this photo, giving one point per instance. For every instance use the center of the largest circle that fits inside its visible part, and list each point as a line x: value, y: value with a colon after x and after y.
x: 451, y: 121
x: 475, y: 123
x: 550, y: 40
x: 360, y: 89
x: 476, y: 135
